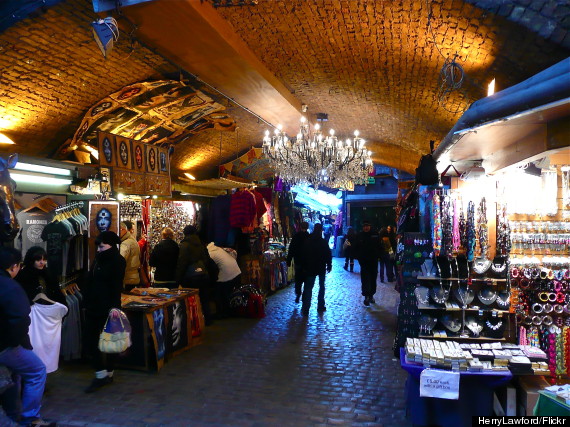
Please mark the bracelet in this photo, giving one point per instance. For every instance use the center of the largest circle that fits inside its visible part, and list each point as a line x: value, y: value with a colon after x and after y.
x: 547, y: 320
x: 536, y: 320
x: 557, y: 286
x: 515, y: 272
x: 560, y: 297
x: 547, y: 308
x: 527, y: 321
x: 543, y: 274
x: 551, y: 297
x: 558, y: 309
x: 537, y: 308
x: 543, y: 296
x: 524, y: 284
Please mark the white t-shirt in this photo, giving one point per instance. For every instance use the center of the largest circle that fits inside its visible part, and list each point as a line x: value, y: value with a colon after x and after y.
x: 228, y: 266
x: 45, y: 332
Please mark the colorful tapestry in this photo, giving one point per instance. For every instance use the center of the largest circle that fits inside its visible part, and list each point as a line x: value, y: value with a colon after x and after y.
x: 252, y: 166
x: 160, y: 113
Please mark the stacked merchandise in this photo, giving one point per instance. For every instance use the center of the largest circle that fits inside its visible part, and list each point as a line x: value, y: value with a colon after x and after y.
x: 275, y: 267
x: 174, y: 215
x: 474, y: 357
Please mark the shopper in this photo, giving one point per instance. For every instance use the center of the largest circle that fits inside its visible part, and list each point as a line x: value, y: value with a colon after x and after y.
x: 191, y: 270
x: 229, y: 278
x: 295, y: 253
x: 131, y: 252
x: 317, y: 261
x: 102, y: 293
x: 367, y: 254
x: 36, y: 279
x: 386, y: 252
x: 393, y: 243
x: 327, y: 231
x: 22, y: 401
x: 349, y: 247
x: 164, y: 257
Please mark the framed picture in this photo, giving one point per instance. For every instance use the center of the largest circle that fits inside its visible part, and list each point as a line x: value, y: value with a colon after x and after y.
x: 163, y: 161
x: 103, y: 216
x: 124, y: 157
x: 177, y: 329
x: 138, y: 156
x: 151, y: 159
x: 107, y: 149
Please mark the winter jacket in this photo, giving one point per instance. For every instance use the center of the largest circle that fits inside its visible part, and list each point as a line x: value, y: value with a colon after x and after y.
x: 367, y: 246
x: 317, y: 257
x: 14, y: 314
x: 35, y: 281
x: 296, y: 248
x: 191, y: 251
x: 105, y: 282
x: 164, y: 257
x: 131, y: 252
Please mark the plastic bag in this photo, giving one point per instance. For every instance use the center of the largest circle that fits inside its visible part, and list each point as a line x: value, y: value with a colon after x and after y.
x: 116, y: 335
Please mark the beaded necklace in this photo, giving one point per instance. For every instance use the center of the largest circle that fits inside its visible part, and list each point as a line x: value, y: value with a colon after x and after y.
x: 436, y: 225
x: 456, y: 238
x: 471, y: 238
x: 560, y: 359
x: 482, y: 227
x: 495, y: 326
x: 463, y: 241
x: 446, y: 227
x: 522, y: 336
x: 532, y: 337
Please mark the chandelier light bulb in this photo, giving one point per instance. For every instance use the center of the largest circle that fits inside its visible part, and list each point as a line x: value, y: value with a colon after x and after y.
x: 303, y: 119
x: 356, y: 133
x: 266, y: 132
x: 317, y: 127
x: 280, y: 127
x: 369, y: 153
x: 331, y: 132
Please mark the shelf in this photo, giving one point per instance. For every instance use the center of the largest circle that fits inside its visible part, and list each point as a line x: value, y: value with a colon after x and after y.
x: 459, y: 309
x: 462, y: 339
x: 455, y: 279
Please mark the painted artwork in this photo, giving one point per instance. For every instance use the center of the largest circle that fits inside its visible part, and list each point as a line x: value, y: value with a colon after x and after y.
x: 107, y: 152
x: 128, y: 182
x: 159, y: 332
x: 163, y: 162
x: 252, y: 166
x: 138, y: 156
x: 157, y: 184
x: 103, y: 216
x: 124, y: 158
x: 151, y: 159
x: 160, y: 113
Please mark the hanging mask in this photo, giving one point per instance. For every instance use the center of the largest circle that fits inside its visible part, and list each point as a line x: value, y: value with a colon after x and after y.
x: 107, y: 152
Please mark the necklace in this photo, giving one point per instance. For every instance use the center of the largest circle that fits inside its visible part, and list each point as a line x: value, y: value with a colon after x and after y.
x: 470, y: 231
x: 422, y: 295
x: 499, y: 264
x: 494, y: 327
x: 440, y: 295
x: 456, y: 237
x: 482, y: 220
x: 502, y: 301
x: 436, y: 228
x: 446, y: 227
x: 474, y: 326
x: 464, y: 295
x: 487, y: 295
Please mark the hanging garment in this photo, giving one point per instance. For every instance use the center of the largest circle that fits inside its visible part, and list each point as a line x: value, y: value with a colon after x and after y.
x: 71, y: 329
x: 45, y: 332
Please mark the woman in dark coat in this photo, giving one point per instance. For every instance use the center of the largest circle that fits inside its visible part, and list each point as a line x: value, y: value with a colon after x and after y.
x: 103, y: 293
x: 192, y: 269
x: 36, y: 279
x: 164, y: 257
x: 349, y: 249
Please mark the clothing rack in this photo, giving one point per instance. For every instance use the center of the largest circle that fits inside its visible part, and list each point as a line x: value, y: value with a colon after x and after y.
x: 69, y: 280
x: 68, y: 207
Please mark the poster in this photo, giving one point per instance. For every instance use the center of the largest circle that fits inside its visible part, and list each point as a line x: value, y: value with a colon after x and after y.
x: 163, y: 161
x: 128, y: 182
x: 157, y: 184
x: 103, y: 216
x: 124, y: 158
x: 107, y: 149
x: 177, y: 330
x: 159, y: 332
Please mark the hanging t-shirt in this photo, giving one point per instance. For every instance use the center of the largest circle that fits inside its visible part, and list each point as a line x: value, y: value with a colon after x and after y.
x: 56, y: 235
x: 32, y: 225
x: 45, y: 332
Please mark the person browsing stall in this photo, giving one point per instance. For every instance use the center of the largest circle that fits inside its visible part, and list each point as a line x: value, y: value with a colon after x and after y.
x: 131, y: 253
x: 21, y: 402
x: 103, y: 292
x: 164, y: 257
x: 229, y: 278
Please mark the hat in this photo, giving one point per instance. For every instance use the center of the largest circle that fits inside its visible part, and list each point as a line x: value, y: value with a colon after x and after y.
x: 108, y: 238
x: 190, y: 229
x: 365, y: 222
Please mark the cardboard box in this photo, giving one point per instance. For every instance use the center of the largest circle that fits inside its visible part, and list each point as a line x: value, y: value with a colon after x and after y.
x: 528, y: 387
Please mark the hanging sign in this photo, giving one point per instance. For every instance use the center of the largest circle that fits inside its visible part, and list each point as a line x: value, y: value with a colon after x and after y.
x: 439, y: 384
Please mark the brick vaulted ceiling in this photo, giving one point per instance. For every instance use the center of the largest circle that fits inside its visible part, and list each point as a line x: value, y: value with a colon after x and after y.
x: 371, y: 65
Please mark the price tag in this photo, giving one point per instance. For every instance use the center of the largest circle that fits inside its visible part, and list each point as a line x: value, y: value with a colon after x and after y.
x: 439, y: 384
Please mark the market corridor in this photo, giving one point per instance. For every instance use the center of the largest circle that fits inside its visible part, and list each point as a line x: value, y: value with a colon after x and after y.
x: 284, y: 370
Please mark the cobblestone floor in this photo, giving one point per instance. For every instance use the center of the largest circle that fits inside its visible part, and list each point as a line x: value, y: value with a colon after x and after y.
x: 284, y: 370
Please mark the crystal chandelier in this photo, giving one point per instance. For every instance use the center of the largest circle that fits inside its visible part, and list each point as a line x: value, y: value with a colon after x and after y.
x: 317, y: 159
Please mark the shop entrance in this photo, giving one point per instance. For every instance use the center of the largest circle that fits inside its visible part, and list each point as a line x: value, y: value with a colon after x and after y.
x: 379, y: 216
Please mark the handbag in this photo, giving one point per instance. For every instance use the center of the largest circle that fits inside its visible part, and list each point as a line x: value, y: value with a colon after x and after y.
x: 116, y: 335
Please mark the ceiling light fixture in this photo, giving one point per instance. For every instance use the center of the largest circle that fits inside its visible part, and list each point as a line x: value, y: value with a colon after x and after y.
x: 312, y: 158
x: 5, y: 140
x: 491, y: 88
x: 105, y: 31
x: 190, y: 176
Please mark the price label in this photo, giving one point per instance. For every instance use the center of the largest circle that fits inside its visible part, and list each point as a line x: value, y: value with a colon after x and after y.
x: 439, y: 384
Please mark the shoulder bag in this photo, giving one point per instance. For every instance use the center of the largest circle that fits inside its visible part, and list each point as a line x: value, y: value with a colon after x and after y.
x: 116, y: 335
